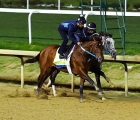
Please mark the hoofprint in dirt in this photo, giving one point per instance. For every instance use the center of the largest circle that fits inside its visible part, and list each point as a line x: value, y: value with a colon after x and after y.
x: 21, y: 104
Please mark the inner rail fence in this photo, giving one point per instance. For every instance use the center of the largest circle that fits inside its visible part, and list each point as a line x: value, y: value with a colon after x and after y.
x: 29, y: 54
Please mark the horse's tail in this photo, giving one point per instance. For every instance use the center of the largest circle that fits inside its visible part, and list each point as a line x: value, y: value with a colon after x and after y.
x: 32, y: 60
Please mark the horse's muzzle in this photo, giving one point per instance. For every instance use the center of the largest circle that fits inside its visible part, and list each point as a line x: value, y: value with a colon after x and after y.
x: 113, y: 54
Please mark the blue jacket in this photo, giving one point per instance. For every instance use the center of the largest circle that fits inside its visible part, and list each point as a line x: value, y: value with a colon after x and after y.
x: 84, y: 35
x: 70, y: 27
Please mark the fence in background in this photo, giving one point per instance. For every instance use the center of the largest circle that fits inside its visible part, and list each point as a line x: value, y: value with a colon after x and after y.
x: 120, y: 59
x: 31, y: 11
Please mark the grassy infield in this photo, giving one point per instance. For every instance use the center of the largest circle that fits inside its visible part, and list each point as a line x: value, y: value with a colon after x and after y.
x: 14, y: 31
x: 14, y: 35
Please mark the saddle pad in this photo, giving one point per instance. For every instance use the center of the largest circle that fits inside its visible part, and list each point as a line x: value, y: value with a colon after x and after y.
x: 60, y: 63
x: 63, y: 63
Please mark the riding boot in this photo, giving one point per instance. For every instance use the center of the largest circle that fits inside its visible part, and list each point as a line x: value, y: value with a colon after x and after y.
x: 62, y: 56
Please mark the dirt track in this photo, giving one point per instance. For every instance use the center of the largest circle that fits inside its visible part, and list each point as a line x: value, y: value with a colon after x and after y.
x: 21, y: 104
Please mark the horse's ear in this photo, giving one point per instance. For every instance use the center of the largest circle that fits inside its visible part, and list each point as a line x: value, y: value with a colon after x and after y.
x: 101, y: 33
x: 110, y: 35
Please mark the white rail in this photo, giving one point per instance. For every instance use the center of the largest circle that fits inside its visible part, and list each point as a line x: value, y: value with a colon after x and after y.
x: 20, y: 54
x: 64, y: 11
x: 31, y: 11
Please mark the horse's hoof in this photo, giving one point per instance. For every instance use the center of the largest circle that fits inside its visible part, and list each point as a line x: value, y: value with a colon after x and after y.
x: 37, y: 95
x: 111, y: 85
x: 103, y: 98
x: 100, y: 93
x: 55, y: 95
x: 81, y: 100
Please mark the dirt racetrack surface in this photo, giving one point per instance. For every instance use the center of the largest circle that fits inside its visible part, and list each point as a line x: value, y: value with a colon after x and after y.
x: 21, y: 104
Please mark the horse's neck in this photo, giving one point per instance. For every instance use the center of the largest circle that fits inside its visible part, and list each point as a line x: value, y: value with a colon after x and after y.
x: 87, y: 45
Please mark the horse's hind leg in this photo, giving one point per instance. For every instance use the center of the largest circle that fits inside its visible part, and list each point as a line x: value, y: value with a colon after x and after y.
x: 81, y: 89
x: 86, y: 77
x: 52, y: 79
x: 42, y: 77
x: 106, y: 78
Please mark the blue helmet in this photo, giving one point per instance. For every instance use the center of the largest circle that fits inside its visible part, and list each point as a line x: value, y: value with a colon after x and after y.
x: 81, y: 19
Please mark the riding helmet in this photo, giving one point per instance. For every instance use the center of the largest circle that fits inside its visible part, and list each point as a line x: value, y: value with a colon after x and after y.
x: 81, y: 19
x: 91, y: 26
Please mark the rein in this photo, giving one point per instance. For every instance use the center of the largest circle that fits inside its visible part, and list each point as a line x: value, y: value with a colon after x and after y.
x: 94, y: 55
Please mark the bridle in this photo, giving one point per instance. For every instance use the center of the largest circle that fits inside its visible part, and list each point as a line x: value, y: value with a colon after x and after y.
x: 94, y: 47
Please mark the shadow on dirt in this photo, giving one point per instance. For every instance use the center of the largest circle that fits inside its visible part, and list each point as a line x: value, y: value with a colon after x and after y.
x: 86, y: 87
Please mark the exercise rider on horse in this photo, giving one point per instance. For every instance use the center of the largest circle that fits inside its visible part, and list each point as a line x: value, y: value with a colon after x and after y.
x: 87, y: 32
x: 68, y: 29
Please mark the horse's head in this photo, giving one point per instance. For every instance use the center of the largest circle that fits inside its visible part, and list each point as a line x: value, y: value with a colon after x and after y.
x: 108, y: 44
x: 96, y: 47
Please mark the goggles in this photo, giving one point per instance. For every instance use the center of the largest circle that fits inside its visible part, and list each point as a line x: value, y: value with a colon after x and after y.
x: 82, y: 22
x: 91, y: 28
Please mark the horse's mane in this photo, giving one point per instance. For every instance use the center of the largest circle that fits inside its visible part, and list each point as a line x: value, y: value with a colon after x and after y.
x: 97, y: 38
x: 101, y: 33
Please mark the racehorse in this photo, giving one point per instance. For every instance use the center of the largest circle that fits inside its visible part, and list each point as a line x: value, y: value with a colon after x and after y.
x: 108, y: 44
x: 78, y: 62
x: 94, y: 66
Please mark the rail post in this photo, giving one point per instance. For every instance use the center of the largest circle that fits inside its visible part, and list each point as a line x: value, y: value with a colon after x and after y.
x: 29, y: 25
x: 72, y: 83
x: 22, y: 72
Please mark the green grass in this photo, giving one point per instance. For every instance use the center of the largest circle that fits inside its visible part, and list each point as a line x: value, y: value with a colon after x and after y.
x: 14, y: 31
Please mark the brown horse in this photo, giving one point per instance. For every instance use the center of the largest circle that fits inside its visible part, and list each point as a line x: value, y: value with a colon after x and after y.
x: 94, y: 66
x: 79, y: 62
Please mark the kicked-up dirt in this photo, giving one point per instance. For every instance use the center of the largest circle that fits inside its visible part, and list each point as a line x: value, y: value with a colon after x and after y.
x: 21, y: 104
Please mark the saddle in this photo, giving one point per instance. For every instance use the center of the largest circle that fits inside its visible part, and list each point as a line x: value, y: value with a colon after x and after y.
x: 68, y: 49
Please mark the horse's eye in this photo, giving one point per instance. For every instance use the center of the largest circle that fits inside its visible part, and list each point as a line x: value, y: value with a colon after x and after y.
x: 108, y: 42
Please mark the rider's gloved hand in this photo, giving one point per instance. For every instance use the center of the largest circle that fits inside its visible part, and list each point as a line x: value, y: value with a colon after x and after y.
x: 78, y: 43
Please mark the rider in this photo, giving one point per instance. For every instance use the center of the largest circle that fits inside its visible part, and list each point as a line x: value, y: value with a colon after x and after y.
x: 89, y: 30
x: 68, y: 29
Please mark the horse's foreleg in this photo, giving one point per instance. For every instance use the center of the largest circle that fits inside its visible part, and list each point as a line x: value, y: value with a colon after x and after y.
x: 106, y: 78
x: 96, y: 87
x: 81, y: 89
x: 97, y: 76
